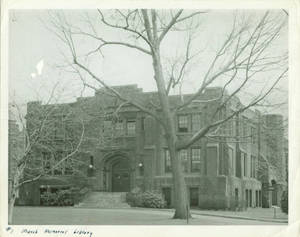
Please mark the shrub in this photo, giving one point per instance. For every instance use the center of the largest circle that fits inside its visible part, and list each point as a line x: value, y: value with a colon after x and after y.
x: 137, y: 198
x: 134, y: 199
x: 285, y: 202
x: 48, y: 199
x: 58, y: 198
x: 153, y: 200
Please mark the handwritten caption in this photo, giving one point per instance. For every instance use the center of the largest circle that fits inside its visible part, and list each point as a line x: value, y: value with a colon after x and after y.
x: 53, y: 231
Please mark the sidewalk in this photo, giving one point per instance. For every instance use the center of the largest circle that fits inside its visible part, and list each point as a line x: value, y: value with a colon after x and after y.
x: 256, y: 214
x: 259, y: 214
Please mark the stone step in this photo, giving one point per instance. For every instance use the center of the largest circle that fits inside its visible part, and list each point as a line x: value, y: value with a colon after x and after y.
x: 104, y: 200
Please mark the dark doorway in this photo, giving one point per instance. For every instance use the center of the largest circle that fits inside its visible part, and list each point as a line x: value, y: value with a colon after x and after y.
x: 256, y: 198
x: 121, y: 176
x: 236, y: 197
x: 250, y: 198
x: 167, y: 196
x: 247, y: 198
x: 194, y: 197
x: 274, y: 193
x: 259, y: 198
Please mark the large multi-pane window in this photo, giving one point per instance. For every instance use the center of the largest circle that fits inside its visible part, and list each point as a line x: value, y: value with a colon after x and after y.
x: 53, y: 164
x: 131, y: 127
x: 182, y: 123
x: 184, y: 159
x: 168, y: 166
x: 196, y: 160
x: 196, y: 122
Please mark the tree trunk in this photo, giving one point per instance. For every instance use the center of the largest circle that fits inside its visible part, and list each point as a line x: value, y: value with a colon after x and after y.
x: 180, y: 195
x: 11, y: 204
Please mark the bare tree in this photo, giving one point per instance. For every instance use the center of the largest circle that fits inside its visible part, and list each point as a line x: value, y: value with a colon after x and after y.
x: 243, y: 57
x: 38, y: 129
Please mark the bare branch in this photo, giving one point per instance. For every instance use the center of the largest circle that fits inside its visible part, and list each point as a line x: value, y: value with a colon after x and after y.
x: 169, y: 26
x: 115, y: 92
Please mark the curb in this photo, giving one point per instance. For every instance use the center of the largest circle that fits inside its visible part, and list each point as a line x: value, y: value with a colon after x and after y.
x: 241, y: 217
x: 224, y: 216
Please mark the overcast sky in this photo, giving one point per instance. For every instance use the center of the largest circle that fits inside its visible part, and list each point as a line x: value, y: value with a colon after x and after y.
x: 31, y: 43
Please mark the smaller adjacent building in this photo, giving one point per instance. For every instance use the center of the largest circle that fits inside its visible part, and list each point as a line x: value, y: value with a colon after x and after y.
x: 16, y: 147
x: 241, y: 164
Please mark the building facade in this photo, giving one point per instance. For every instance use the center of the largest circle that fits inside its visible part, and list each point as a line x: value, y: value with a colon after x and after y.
x: 239, y: 164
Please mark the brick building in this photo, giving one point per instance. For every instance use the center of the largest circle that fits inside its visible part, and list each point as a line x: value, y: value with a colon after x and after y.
x: 242, y: 164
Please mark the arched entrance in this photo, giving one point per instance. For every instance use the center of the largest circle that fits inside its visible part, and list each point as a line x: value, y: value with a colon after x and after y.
x: 116, y: 173
x: 120, y: 176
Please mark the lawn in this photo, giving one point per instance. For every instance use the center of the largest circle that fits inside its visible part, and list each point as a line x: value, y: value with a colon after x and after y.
x: 84, y: 216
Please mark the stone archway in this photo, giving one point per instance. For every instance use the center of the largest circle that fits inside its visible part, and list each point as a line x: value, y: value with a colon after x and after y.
x: 120, y: 176
x: 117, y: 173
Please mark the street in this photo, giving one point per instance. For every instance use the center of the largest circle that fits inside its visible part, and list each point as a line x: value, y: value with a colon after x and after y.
x: 84, y: 216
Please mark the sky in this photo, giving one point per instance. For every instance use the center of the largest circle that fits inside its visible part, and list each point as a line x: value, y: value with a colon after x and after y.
x: 36, y: 56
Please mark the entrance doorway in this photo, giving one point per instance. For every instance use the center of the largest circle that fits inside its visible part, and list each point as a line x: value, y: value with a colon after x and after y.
x: 121, y: 176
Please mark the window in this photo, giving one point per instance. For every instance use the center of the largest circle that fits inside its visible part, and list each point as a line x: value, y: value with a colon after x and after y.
x: 119, y: 129
x: 69, y: 167
x: 64, y: 168
x: 253, y: 135
x: 184, y: 159
x: 244, y: 128
x: 231, y: 127
x: 167, y: 161
x: 143, y: 124
x: 107, y: 127
x: 58, y: 170
x: 130, y: 127
x: 244, y: 163
x: 46, y: 161
x: 221, y: 164
x: 253, y: 166
x: 196, y: 122
x: 196, y: 160
x: 59, y: 128
x: 182, y: 123
x: 231, y: 160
